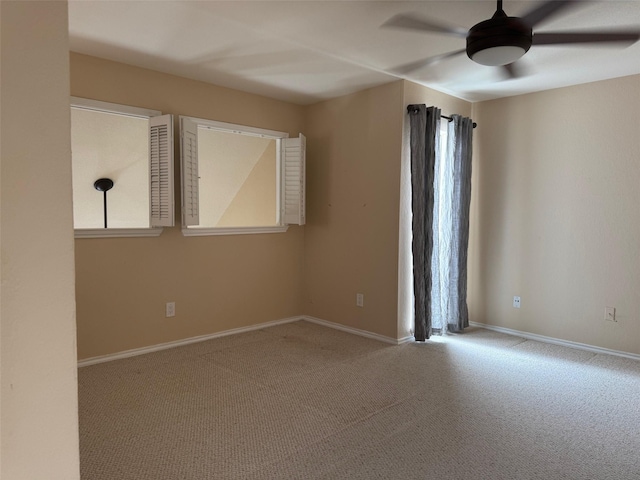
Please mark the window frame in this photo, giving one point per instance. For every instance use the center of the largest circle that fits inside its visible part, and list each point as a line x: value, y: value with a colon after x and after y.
x: 190, y: 230
x: 131, y: 111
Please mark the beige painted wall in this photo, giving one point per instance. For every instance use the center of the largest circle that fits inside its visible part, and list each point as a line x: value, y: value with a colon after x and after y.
x: 226, y: 161
x: 353, y: 191
x: 38, y: 374
x: 534, y: 172
x: 417, y: 94
x: 218, y: 282
x: 556, y: 213
x: 255, y: 202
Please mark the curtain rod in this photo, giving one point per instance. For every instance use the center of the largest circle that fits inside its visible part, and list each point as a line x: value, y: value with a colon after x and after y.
x: 451, y: 119
x: 414, y: 109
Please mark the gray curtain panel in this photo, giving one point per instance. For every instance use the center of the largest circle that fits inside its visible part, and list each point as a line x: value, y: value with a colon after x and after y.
x: 464, y: 139
x: 441, y: 196
x: 424, y: 124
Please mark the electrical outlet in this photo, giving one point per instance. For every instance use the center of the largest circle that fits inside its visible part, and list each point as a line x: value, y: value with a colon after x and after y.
x: 610, y: 314
x: 170, y: 310
x: 359, y: 299
x: 516, y: 302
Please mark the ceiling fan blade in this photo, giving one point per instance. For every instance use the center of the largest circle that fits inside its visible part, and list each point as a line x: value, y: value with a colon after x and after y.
x: 413, y: 22
x: 547, y: 10
x: 511, y: 71
x: 606, y: 36
x: 412, y: 66
x: 514, y: 70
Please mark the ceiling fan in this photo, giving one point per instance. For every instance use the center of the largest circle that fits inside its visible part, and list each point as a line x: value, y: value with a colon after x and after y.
x: 502, y: 40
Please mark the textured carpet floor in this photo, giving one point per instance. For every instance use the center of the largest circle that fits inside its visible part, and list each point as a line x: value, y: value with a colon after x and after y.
x: 301, y: 401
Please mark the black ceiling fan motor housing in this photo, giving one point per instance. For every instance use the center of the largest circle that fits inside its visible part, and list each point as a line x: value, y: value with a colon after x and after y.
x: 499, y: 31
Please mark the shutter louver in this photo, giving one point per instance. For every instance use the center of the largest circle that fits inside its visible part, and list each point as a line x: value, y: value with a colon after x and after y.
x: 293, y: 184
x: 161, y: 201
x: 189, y: 171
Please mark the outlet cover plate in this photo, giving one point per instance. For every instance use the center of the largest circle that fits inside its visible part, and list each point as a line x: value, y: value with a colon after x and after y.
x: 610, y: 314
x: 516, y: 302
x: 170, y: 310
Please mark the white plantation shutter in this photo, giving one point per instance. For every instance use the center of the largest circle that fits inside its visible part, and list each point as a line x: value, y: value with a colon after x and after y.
x: 189, y: 169
x: 161, y: 202
x: 293, y: 180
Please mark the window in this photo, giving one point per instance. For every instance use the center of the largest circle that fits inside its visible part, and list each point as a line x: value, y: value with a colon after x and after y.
x: 238, y: 179
x: 132, y: 147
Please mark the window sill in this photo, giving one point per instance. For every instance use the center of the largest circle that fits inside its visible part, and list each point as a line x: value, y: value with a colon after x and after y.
x: 116, y: 232
x: 201, y: 232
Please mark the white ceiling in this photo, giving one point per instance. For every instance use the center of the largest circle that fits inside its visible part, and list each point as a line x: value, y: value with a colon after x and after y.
x: 305, y: 51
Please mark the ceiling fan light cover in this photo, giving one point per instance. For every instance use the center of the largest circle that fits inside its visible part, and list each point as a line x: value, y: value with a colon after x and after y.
x: 500, y: 55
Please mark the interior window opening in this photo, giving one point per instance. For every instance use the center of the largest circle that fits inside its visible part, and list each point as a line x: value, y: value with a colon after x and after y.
x: 122, y: 169
x: 238, y: 179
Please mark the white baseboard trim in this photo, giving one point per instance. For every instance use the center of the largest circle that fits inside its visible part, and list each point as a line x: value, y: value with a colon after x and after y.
x: 178, y: 343
x: 356, y: 331
x: 201, y: 338
x: 407, y: 339
x: 556, y: 341
x: 337, y: 326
